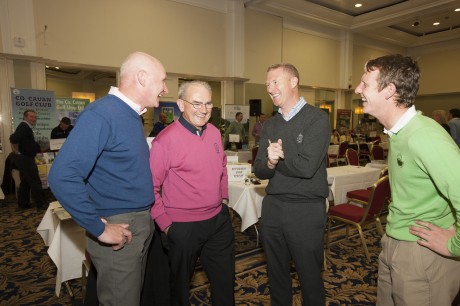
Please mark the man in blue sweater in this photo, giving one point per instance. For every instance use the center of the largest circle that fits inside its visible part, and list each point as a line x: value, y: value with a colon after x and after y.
x: 101, y: 178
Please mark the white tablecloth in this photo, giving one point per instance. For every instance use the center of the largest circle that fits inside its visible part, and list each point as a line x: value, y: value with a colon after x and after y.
x: 246, y: 200
x: 379, y: 164
x: 66, y: 241
x: 346, y: 178
x: 243, y: 155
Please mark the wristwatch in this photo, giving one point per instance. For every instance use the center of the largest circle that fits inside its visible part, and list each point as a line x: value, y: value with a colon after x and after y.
x: 225, y: 201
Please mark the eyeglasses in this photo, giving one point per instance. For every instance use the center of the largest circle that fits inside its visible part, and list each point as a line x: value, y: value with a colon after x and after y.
x: 198, y: 105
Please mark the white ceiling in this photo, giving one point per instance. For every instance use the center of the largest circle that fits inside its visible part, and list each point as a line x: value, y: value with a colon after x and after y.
x: 386, y: 20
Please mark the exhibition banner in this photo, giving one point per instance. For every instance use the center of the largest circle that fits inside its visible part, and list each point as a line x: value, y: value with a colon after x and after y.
x: 43, y: 103
x: 70, y: 107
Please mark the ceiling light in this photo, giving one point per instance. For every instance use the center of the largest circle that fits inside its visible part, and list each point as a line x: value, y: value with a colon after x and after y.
x: 457, y: 10
x: 56, y: 68
x: 436, y: 23
x: 358, y: 5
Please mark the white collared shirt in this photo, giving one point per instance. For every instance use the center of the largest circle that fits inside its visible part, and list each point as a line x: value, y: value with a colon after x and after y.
x: 136, y: 107
x: 405, y: 118
x: 294, y: 110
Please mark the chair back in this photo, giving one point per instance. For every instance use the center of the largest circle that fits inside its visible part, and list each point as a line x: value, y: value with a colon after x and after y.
x: 380, y: 193
x: 328, y: 163
x: 343, y: 146
x: 384, y: 172
x: 352, y: 157
x: 377, y: 152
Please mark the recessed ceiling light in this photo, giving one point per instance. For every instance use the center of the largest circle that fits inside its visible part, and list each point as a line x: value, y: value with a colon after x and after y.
x: 57, y: 68
x: 436, y: 23
x: 457, y: 10
x: 358, y: 5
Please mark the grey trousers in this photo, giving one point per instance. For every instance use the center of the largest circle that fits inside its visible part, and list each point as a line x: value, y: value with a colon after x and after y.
x: 120, y: 273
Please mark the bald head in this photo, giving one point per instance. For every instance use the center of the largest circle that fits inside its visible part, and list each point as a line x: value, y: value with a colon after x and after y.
x: 142, y: 79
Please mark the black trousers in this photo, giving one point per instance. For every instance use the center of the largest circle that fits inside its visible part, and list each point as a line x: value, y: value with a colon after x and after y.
x: 212, y: 241
x: 294, y: 231
x: 30, y: 182
x: 156, y: 290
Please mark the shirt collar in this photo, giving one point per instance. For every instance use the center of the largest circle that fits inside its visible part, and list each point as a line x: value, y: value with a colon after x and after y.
x: 405, y: 118
x: 191, y: 127
x: 136, y: 107
x: 294, y: 110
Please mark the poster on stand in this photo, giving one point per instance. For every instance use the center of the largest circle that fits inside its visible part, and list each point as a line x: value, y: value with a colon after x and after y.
x: 70, y: 108
x: 43, y: 103
x: 344, y: 119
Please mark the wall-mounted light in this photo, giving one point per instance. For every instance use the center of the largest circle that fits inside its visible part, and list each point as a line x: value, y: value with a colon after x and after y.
x: 326, y: 106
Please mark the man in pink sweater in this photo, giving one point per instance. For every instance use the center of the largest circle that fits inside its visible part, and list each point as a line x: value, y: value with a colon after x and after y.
x: 189, y: 171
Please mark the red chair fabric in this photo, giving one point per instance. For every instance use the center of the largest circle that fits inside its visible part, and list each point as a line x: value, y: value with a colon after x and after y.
x: 340, y: 156
x: 362, y: 195
x: 358, y: 216
x: 377, y: 152
x: 352, y: 157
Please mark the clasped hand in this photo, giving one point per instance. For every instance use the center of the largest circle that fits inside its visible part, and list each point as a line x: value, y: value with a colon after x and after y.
x: 274, y: 152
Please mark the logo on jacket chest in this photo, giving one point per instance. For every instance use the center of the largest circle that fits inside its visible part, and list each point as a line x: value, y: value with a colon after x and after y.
x: 216, y: 147
x: 299, y: 138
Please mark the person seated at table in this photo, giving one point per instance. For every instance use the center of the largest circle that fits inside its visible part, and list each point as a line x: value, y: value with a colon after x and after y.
x: 62, y: 130
x: 345, y: 136
x: 335, y: 137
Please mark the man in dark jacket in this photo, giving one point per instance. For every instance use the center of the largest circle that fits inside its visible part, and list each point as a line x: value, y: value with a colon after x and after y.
x: 25, y: 148
x: 62, y: 130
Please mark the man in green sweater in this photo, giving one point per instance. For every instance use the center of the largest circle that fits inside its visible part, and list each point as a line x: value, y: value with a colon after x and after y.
x: 418, y: 264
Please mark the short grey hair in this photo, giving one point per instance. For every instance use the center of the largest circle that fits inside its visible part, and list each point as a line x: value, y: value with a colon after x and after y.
x: 183, y: 87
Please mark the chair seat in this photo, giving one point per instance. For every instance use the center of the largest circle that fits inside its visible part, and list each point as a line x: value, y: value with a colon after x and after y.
x: 360, y: 194
x: 347, y: 211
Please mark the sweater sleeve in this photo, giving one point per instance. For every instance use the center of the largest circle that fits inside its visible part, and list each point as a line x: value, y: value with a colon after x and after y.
x: 73, y: 165
x: 159, y: 162
x: 443, y: 166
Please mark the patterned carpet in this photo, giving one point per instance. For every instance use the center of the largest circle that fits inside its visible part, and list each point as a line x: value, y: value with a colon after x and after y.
x: 27, y: 274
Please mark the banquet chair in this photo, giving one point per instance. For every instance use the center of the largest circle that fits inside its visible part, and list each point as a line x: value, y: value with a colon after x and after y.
x: 352, y: 157
x: 361, y: 196
x: 364, y: 152
x: 377, y: 153
x: 359, y: 216
x: 340, y: 156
